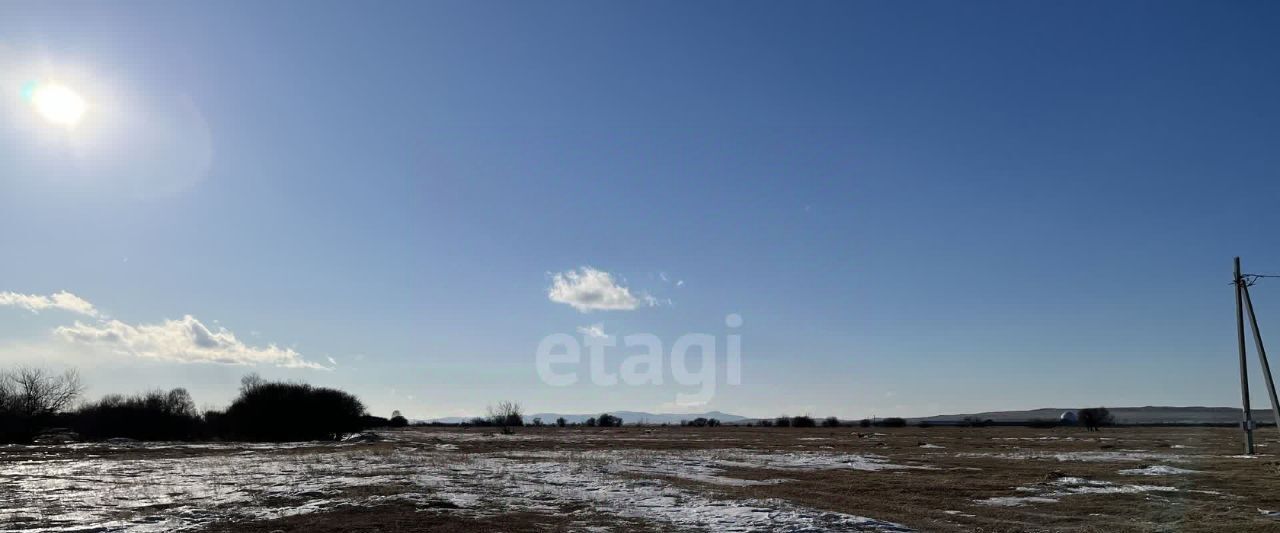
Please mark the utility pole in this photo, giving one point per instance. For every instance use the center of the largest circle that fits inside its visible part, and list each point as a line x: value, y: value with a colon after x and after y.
x: 1247, y: 423
x: 1262, y: 356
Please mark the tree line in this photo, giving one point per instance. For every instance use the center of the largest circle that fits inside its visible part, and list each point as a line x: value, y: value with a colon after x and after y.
x: 33, y: 401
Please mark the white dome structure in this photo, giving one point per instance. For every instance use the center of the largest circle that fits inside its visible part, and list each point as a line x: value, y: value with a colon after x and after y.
x: 1067, y: 418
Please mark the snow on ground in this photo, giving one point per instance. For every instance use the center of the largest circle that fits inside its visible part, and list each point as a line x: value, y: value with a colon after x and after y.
x: 1088, y: 456
x: 1158, y: 470
x: 177, y: 494
x: 1052, y: 491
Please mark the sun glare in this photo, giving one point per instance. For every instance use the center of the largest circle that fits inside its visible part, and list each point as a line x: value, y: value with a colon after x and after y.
x: 56, y: 102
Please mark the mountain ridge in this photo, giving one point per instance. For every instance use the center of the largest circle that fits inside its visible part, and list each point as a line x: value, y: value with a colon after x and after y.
x: 628, y: 417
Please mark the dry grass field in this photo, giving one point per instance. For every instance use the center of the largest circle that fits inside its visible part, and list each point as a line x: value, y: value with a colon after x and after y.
x: 657, y: 479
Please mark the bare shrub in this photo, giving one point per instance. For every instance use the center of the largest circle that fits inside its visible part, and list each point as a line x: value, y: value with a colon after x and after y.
x: 506, y: 415
x: 155, y: 415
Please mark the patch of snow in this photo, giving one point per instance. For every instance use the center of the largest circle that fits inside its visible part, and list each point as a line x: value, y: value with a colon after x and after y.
x: 1086, y: 457
x: 1014, y: 501
x: 188, y: 493
x: 1053, y: 491
x: 1158, y: 470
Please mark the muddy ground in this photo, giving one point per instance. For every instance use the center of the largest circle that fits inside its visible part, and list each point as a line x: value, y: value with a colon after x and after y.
x: 657, y: 479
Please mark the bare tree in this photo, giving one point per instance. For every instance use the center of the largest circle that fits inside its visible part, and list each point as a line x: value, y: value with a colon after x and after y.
x: 250, y: 382
x: 1094, y: 418
x: 506, y: 414
x: 34, y: 392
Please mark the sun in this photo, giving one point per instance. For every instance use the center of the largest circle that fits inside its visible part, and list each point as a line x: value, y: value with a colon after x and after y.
x: 56, y: 102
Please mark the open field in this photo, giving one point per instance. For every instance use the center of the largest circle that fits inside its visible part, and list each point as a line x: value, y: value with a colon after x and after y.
x: 657, y: 479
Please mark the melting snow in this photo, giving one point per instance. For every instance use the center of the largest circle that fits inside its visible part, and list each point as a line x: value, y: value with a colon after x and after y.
x: 1088, y: 457
x: 177, y: 494
x: 1158, y: 470
x: 1052, y: 491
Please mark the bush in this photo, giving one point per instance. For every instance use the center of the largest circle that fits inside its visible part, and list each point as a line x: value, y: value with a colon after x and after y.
x: 803, y: 421
x: 766, y: 423
x: 607, y: 420
x: 1094, y: 418
x: 560, y: 422
x: 370, y: 421
x: 1043, y: 423
x: 894, y: 422
x: 280, y: 412
x: 783, y: 421
x: 397, y: 420
x: 864, y: 423
x: 155, y: 415
x: 591, y: 422
x: 831, y: 422
x: 713, y: 422
x: 506, y: 415
x: 215, y: 425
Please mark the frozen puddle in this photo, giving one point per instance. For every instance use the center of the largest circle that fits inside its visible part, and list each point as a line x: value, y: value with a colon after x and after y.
x: 184, y: 494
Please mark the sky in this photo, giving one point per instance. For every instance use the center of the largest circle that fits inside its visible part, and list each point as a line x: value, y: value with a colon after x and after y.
x: 911, y: 209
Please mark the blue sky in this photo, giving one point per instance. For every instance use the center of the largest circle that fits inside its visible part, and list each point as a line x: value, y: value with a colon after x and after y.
x: 934, y: 207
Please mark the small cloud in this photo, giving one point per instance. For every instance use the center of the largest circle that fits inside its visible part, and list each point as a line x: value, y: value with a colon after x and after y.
x: 61, y: 300
x: 680, y: 283
x: 588, y: 289
x: 595, y: 331
x: 332, y: 361
x: 663, y: 276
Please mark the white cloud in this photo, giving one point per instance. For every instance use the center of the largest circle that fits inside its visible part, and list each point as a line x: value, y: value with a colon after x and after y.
x: 680, y: 283
x: 186, y: 340
x: 588, y: 289
x: 62, y: 300
x: 595, y: 331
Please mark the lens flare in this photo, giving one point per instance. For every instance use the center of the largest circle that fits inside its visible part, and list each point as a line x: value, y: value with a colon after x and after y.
x: 56, y: 102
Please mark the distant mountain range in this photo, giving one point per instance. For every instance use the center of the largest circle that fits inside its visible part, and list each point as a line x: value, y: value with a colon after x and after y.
x: 628, y: 417
x: 1123, y: 415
